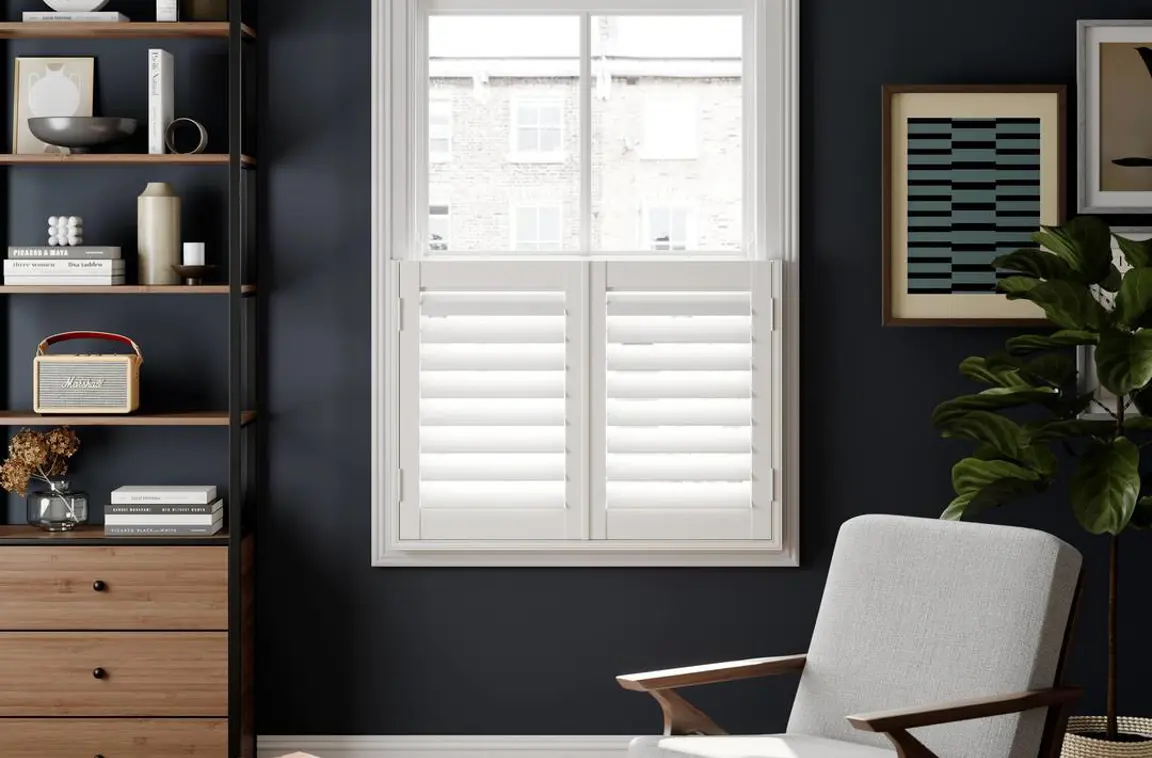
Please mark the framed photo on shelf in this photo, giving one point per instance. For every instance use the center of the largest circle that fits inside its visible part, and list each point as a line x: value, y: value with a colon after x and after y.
x: 49, y: 87
x: 1114, y: 78
x: 970, y: 172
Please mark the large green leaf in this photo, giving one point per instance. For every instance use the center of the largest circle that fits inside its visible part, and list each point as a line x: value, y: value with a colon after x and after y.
x: 992, y: 399
x: 1001, y: 434
x: 1105, y: 487
x: 1142, y: 399
x: 1054, y: 368
x: 1137, y: 252
x: 1069, y: 305
x: 1032, y: 343
x: 1112, y: 282
x: 1084, y: 243
x: 955, y: 509
x: 1134, y: 301
x: 1124, y: 361
x: 1038, y: 264
x: 974, y: 474
x: 1137, y: 424
x: 1048, y: 431
x: 996, y: 493
x: 981, y: 369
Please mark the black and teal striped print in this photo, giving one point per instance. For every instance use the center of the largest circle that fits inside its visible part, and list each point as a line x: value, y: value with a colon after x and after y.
x: 973, y: 194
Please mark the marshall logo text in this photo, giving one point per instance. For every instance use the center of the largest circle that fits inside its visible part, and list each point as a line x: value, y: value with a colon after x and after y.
x: 82, y: 383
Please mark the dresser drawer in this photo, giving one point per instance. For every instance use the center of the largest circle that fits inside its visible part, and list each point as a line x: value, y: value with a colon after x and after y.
x: 109, y: 674
x: 113, y: 738
x: 113, y: 588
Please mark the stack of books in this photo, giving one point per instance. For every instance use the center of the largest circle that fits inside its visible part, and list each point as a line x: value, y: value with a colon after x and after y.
x: 156, y: 511
x: 76, y: 265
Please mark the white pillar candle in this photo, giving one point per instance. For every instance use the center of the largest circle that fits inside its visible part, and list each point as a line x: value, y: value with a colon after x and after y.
x: 193, y: 253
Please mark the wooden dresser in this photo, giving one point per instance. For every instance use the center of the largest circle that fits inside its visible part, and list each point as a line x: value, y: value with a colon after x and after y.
x: 114, y: 648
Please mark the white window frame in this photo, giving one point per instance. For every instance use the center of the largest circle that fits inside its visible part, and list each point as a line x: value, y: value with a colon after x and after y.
x: 399, y: 101
x: 441, y: 156
x: 537, y: 99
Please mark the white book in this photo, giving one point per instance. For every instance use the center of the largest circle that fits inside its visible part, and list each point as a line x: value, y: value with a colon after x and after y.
x: 90, y: 17
x: 161, y: 98
x: 167, y: 10
x: 165, y: 494
x: 62, y: 280
x: 137, y: 519
x: 109, y: 267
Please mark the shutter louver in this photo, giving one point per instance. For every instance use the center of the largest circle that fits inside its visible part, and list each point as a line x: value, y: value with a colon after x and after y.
x: 497, y: 374
x: 684, y: 407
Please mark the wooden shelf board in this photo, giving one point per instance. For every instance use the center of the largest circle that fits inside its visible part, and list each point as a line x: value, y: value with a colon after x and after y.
x: 116, y: 30
x: 23, y: 534
x: 122, y: 159
x: 124, y: 289
x: 196, y: 418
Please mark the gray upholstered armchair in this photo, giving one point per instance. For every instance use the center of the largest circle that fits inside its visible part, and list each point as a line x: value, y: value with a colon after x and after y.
x: 954, y: 631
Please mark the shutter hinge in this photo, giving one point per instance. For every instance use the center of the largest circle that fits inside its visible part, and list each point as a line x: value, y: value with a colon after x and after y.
x: 399, y: 314
x: 399, y: 485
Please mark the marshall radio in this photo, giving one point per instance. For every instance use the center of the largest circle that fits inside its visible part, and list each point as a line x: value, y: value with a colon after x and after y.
x: 92, y: 383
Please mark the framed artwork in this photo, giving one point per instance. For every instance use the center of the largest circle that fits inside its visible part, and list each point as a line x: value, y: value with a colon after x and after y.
x: 1114, y: 77
x: 969, y: 173
x: 49, y: 87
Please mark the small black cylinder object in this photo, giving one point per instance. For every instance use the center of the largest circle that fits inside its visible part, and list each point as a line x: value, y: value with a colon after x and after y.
x: 99, y: 586
x: 99, y: 673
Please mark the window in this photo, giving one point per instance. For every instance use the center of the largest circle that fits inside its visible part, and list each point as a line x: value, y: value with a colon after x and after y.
x: 439, y: 228
x: 440, y: 130
x: 668, y: 229
x: 670, y: 130
x: 536, y: 228
x: 537, y: 128
x: 559, y: 380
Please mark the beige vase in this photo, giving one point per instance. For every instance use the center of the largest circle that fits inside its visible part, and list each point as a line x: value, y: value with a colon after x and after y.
x: 1078, y: 743
x: 158, y: 233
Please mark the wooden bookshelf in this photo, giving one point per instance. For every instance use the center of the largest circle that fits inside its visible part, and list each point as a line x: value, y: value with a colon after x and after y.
x: 124, y: 289
x: 93, y: 534
x: 193, y: 418
x: 116, y: 30
x: 122, y: 159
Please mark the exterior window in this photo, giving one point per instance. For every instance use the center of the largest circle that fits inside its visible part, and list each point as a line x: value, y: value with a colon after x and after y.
x: 440, y: 130
x: 670, y: 130
x: 668, y: 229
x: 586, y: 279
x: 538, y: 128
x: 537, y: 228
x: 439, y: 228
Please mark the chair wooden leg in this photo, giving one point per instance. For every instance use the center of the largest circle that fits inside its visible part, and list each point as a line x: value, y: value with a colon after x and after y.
x: 681, y: 717
x: 908, y: 746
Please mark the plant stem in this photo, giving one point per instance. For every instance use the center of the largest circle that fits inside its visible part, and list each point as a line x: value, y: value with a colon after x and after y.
x: 1113, y: 586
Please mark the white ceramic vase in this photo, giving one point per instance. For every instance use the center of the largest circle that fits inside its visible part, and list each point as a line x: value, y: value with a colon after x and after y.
x: 158, y: 233
x: 75, y: 6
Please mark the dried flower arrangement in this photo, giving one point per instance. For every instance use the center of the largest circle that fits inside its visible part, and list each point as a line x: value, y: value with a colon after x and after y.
x: 37, y: 455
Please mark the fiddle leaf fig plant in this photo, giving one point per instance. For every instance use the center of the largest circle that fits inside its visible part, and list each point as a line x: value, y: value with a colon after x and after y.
x: 1036, y: 403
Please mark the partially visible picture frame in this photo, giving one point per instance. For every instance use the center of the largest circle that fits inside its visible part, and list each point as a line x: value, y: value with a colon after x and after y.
x: 49, y: 87
x: 970, y: 172
x: 1114, y: 108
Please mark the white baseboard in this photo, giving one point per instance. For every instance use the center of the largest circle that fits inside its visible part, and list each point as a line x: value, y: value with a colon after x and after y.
x: 433, y: 746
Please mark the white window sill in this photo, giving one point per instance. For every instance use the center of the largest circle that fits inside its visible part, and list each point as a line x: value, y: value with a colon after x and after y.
x: 654, y: 554
x: 518, y: 157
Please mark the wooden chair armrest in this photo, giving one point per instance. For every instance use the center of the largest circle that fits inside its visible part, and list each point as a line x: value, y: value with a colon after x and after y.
x: 963, y: 710
x: 712, y: 673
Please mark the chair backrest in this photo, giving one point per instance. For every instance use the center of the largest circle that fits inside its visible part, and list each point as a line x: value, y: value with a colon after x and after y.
x: 918, y: 612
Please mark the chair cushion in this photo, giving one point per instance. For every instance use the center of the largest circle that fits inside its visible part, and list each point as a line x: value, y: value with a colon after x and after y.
x: 919, y: 612
x: 763, y: 746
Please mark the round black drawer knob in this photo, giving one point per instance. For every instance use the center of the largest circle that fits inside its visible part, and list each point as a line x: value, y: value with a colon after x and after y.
x: 99, y: 586
x: 98, y: 755
x: 99, y: 673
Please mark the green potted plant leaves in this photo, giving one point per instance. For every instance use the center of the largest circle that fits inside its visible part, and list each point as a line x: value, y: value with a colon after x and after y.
x: 1038, y: 401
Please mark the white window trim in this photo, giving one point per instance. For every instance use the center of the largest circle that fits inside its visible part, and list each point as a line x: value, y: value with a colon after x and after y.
x: 397, y: 104
x: 515, y: 154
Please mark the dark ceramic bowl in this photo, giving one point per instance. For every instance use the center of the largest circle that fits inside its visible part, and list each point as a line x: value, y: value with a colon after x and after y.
x: 81, y: 133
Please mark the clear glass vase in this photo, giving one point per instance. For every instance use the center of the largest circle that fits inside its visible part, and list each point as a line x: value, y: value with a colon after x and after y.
x: 54, y: 507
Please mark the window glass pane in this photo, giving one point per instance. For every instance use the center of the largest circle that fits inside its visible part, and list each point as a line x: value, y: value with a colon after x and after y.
x: 667, y: 128
x: 512, y: 86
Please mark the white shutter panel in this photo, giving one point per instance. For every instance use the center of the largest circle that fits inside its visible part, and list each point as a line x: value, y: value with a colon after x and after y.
x: 492, y: 400
x: 684, y: 398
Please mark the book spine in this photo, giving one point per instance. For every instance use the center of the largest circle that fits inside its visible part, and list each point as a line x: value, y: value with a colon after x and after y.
x: 59, y: 280
x: 163, y: 498
x: 76, y: 253
x: 136, y: 519
x: 150, y: 531
x: 73, y: 268
x: 157, y: 510
x: 167, y: 10
x: 160, y: 98
x: 89, y: 16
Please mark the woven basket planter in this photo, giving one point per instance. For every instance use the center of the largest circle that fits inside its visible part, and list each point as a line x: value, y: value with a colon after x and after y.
x: 1077, y: 745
